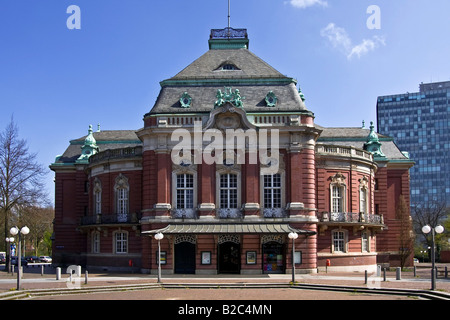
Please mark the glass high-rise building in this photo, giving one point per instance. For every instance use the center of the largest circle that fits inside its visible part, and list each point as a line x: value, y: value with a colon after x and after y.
x: 420, y: 124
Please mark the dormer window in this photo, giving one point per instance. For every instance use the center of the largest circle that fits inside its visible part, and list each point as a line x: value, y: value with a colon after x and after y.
x: 229, y: 67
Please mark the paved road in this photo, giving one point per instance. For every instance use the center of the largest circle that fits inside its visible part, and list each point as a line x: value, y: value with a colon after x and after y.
x: 34, y: 280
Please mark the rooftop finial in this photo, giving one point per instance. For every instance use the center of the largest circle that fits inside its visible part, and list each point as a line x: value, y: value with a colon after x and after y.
x: 373, y: 143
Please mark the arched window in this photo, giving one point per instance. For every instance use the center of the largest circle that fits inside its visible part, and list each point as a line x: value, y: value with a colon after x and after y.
x: 97, y: 196
x: 121, y: 189
x: 364, y: 195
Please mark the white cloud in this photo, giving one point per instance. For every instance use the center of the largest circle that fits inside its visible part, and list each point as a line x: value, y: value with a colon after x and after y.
x: 340, y: 40
x: 302, y: 4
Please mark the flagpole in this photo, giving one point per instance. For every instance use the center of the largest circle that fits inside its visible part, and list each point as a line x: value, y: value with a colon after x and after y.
x: 229, y: 11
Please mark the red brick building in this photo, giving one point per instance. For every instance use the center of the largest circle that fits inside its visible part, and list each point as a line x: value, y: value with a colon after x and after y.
x: 229, y: 210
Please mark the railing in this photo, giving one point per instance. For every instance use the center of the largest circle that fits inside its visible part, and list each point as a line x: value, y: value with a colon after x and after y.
x: 270, y: 120
x: 116, y: 154
x: 229, y: 33
x: 130, y: 218
x: 344, y: 151
x: 184, y: 214
x: 275, y: 213
x: 227, y: 213
x: 349, y: 217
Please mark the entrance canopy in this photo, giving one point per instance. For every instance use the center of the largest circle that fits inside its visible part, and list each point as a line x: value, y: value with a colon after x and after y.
x: 227, y: 228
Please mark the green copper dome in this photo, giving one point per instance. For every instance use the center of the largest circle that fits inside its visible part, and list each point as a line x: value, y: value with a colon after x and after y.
x: 373, y: 143
x: 89, y: 148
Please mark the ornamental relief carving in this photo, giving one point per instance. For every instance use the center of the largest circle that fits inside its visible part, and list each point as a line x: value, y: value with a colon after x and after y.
x: 272, y: 238
x: 229, y: 238
x: 228, y: 121
x: 364, y: 183
x: 185, y: 238
x: 338, y: 179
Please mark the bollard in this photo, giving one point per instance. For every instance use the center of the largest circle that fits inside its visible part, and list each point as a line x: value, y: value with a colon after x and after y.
x: 415, y: 271
x: 399, y: 273
x: 86, y: 277
x: 78, y: 271
x: 384, y: 274
x: 42, y: 270
x: 446, y: 273
x: 58, y: 273
x: 379, y: 271
x: 365, y: 277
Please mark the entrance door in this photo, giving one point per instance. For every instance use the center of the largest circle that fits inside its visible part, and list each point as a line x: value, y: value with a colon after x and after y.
x: 185, y: 258
x: 273, y: 258
x: 229, y: 258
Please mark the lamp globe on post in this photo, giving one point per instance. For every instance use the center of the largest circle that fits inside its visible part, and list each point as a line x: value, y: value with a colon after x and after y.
x: 25, y: 230
x: 9, y: 241
x: 439, y: 229
x: 293, y: 236
x: 16, y: 231
x: 159, y: 236
x: 426, y: 230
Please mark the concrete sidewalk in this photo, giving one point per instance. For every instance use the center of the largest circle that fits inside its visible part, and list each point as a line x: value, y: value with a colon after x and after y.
x: 259, y: 286
x: 32, y: 279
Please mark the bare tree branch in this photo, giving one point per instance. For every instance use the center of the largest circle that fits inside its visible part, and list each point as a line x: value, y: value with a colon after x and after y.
x: 21, y: 176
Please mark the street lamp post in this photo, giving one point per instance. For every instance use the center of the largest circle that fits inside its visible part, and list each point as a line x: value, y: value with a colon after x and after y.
x: 438, y: 229
x: 9, y: 241
x: 293, y: 236
x: 23, y: 231
x: 159, y: 236
x: 423, y: 254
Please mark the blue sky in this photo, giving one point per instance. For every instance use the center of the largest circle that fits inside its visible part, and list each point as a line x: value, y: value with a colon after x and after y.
x: 56, y: 81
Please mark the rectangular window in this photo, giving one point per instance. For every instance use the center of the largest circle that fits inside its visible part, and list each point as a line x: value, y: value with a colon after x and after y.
x: 121, y: 242
x: 185, y: 191
x: 363, y: 200
x: 122, y: 201
x: 365, y: 242
x: 96, y: 242
x: 98, y: 202
x: 339, y: 241
x: 228, y: 191
x: 272, y: 191
x: 337, y: 198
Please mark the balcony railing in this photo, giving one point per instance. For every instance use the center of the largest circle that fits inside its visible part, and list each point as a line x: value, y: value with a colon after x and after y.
x: 127, y: 218
x: 227, y: 213
x: 349, y: 217
x: 184, y: 214
x: 275, y: 213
